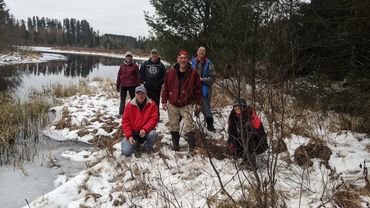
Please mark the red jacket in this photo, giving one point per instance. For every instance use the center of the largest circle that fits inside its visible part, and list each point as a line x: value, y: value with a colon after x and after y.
x: 180, y: 95
x: 134, y: 120
x: 128, y: 75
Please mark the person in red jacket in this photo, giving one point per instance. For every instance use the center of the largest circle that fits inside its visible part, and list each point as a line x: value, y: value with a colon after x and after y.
x: 247, y: 136
x: 138, y: 123
x: 127, y: 80
x: 181, y: 91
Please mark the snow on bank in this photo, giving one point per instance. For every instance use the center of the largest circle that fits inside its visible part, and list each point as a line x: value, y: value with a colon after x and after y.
x: 51, y: 50
x: 16, y: 58
x: 168, y: 178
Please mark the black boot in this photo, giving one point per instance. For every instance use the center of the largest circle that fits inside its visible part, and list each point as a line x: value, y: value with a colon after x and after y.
x: 175, y: 140
x: 191, y: 141
x: 209, y: 121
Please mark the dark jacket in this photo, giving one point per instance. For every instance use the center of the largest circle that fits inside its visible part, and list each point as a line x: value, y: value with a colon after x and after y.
x: 181, y: 93
x: 152, y: 75
x: 253, y: 131
x: 128, y: 75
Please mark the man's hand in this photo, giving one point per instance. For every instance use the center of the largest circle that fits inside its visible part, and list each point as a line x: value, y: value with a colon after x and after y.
x: 197, y: 111
x: 197, y: 107
x: 118, y: 88
x: 131, y: 141
x: 201, y: 79
x: 142, y: 133
x: 164, y: 106
x: 232, y: 148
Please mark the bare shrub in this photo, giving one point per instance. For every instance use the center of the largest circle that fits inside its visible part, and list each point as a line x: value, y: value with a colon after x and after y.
x: 347, y: 198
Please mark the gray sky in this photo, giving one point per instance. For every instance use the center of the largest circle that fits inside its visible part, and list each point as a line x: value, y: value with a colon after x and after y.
x: 121, y: 17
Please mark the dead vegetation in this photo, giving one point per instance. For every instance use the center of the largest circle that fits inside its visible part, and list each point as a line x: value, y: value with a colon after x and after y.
x: 347, y: 198
x: 304, y: 153
x: 20, y: 125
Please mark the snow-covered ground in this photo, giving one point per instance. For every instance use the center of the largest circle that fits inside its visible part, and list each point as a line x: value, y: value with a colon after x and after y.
x: 177, y: 179
x: 51, y: 50
x: 49, y: 53
x: 16, y: 58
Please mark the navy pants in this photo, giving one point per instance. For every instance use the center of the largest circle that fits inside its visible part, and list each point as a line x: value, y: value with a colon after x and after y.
x: 131, y: 91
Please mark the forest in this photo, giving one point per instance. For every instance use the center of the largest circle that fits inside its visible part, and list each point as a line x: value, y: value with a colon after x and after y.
x: 318, y: 51
x: 53, y: 32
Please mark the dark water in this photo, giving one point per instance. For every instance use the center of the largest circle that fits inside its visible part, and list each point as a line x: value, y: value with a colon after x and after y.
x: 19, y: 79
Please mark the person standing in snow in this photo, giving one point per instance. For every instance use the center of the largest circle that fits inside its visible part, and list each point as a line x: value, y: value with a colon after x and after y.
x: 138, y: 123
x: 182, y: 90
x: 152, y: 73
x: 247, y: 136
x: 207, y: 73
x: 127, y: 80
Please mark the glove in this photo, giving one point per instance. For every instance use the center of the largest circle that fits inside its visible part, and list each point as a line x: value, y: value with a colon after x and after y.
x: 118, y: 88
x: 164, y: 106
x: 197, y: 111
x: 232, y: 148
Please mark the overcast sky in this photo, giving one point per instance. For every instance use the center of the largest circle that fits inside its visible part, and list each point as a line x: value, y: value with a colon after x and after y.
x: 122, y: 17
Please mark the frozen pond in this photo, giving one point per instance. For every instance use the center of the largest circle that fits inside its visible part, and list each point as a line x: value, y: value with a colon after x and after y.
x: 16, y: 187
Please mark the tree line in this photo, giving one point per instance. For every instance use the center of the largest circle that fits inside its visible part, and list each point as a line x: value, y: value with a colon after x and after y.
x: 318, y: 51
x: 53, y: 32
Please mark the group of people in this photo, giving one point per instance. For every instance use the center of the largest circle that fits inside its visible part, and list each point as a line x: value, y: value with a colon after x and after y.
x: 183, y: 90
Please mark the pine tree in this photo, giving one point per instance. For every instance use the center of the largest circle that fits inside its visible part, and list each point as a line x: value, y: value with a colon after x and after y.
x: 4, y: 16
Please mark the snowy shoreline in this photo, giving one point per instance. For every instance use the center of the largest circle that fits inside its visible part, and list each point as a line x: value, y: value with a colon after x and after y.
x: 51, y: 50
x: 49, y: 54
x: 112, y: 180
x: 16, y: 58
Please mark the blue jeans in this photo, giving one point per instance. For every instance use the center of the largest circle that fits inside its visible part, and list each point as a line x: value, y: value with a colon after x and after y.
x: 206, y: 107
x: 128, y: 149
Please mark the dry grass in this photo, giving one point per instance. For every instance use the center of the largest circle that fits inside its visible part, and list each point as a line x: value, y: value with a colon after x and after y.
x: 304, y: 153
x: 214, y: 202
x: 61, y: 91
x: 20, y: 124
x: 217, y: 148
x: 109, y: 87
x: 347, y: 198
x: 65, y: 121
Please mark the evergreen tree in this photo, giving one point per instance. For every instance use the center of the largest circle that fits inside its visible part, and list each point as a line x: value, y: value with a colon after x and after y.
x: 4, y: 16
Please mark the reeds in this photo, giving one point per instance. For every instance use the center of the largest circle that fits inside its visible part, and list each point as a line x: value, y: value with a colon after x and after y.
x: 20, y: 124
x: 22, y: 121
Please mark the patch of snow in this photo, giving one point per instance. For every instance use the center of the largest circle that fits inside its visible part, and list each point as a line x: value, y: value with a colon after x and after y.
x: 189, y: 180
x: 16, y: 58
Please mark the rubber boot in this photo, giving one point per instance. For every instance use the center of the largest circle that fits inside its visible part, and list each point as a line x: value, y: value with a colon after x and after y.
x: 209, y: 121
x: 191, y: 141
x: 175, y: 140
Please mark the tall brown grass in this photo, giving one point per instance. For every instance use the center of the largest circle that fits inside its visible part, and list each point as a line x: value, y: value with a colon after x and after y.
x: 20, y: 124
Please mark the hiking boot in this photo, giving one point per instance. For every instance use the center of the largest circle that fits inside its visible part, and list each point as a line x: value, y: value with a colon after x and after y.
x: 209, y: 121
x: 211, y: 128
x: 175, y: 140
x: 191, y: 141
x: 138, y: 149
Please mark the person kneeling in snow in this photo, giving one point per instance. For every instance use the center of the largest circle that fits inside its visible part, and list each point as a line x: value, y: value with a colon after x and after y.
x: 247, y: 137
x: 138, y: 122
